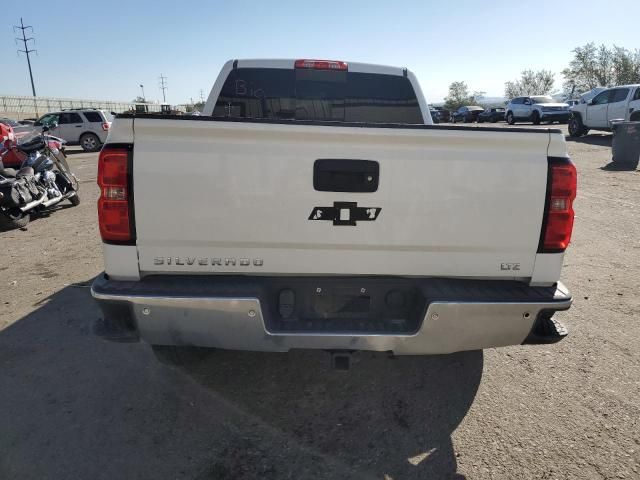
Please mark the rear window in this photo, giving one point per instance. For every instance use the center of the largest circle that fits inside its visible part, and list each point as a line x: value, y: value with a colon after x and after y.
x: 303, y: 94
x: 93, y: 117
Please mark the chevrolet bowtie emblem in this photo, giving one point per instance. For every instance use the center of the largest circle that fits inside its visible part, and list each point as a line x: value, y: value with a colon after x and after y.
x: 345, y: 213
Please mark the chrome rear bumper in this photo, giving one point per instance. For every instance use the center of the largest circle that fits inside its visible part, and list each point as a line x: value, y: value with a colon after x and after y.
x: 238, y: 322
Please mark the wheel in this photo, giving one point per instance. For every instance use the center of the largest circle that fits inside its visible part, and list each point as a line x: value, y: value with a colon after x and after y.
x: 494, y: 120
x: 535, y: 118
x: 75, y: 200
x: 510, y: 118
x: 13, y: 219
x: 635, y: 117
x: 576, y: 127
x: 90, y: 142
x: 480, y: 120
x: 180, y: 356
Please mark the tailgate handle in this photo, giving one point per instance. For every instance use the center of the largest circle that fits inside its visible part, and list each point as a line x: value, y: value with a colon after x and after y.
x: 343, y: 175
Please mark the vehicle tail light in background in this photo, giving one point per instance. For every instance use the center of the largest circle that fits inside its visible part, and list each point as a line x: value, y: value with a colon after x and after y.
x: 321, y: 64
x: 115, y: 206
x: 106, y: 126
x: 562, y: 182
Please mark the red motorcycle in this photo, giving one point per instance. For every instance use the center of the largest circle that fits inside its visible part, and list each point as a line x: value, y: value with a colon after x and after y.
x: 13, y: 157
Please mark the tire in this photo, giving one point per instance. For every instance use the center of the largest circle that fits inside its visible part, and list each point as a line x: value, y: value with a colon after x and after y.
x: 174, y: 356
x: 510, y: 118
x: 535, y: 118
x: 480, y: 120
x: 13, y: 222
x: 635, y: 117
x: 90, y: 142
x: 576, y: 127
x: 75, y: 200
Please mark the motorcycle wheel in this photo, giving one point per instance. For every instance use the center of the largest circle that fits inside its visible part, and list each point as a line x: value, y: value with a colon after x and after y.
x: 13, y: 220
x: 75, y: 200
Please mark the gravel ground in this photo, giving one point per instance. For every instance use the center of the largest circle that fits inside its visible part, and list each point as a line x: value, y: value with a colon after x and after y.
x: 72, y: 406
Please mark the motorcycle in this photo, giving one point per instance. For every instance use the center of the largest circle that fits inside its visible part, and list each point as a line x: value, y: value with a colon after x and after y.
x: 43, y: 180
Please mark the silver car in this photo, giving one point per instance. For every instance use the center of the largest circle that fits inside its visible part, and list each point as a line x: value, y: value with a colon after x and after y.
x: 85, y: 127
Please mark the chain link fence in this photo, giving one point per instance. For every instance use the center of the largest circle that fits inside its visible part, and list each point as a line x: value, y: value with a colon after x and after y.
x: 18, y: 107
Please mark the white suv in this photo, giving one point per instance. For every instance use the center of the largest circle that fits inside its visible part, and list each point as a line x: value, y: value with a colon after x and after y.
x: 536, y: 109
x: 87, y: 127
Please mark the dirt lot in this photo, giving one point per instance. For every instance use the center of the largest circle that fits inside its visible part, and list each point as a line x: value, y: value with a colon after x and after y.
x: 72, y: 406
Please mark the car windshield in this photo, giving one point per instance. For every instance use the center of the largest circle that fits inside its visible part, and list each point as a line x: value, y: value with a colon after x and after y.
x: 28, y: 137
x: 542, y: 99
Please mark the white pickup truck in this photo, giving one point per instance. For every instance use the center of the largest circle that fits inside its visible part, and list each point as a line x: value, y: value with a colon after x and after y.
x: 313, y: 205
x: 617, y: 103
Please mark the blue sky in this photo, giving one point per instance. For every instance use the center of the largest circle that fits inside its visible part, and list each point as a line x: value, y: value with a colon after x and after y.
x: 105, y: 49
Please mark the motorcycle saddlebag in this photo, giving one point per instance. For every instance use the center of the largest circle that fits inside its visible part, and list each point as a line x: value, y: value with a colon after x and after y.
x: 16, y: 193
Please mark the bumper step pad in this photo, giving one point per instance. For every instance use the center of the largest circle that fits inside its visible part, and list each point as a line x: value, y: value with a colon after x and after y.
x: 546, y: 330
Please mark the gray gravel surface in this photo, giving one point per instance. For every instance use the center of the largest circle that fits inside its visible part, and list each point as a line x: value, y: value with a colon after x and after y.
x: 72, y: 406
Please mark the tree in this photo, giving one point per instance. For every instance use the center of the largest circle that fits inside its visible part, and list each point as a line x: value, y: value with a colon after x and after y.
x: 593, y: 66
x: 459, y: 96
x: 139, y: 99
x: 530, y: 83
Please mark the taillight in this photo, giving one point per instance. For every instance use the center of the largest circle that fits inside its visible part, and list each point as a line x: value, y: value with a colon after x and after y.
x: 562, y: 182
x: 115, y: 213
x: 321, y: 64
x: 106, y: 126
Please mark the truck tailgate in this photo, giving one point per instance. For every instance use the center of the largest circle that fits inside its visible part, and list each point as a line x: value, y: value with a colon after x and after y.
x: 239, y: 197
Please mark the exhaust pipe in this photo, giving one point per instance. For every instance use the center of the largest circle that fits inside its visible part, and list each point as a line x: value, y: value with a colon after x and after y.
x: 47, y: 203
x: 55, y: 200
x: 34, y: 203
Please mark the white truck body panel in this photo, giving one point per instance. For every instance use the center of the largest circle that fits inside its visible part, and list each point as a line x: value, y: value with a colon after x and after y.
x: 246, y: 191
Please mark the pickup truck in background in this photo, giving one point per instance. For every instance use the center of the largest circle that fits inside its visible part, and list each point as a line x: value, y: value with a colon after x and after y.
x: 617, y: 103
x: 313, y: 205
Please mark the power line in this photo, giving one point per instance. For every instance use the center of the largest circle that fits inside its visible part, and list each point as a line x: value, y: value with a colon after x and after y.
x: 163, y: 87
x: 26, y: 50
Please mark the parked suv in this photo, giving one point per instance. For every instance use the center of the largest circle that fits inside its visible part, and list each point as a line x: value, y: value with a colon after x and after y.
x: 86, y: 127
x: 536, y: 109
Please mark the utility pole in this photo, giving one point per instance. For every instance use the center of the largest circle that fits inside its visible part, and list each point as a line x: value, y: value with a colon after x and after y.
x: 26, y: 51
x: 144, y: 99
x: 163, y: 87
x: 201, y: 96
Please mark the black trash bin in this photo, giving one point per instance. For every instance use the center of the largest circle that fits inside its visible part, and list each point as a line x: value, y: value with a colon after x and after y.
x: 625, y: 147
